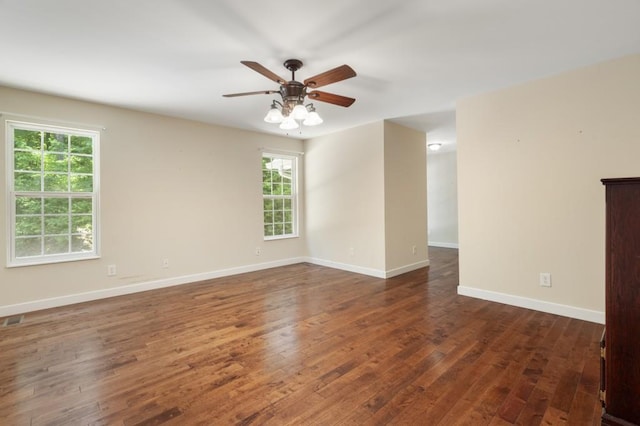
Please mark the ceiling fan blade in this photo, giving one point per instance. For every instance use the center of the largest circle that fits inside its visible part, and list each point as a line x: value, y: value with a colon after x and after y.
x: 332, y: 76
x: 261, y: 92
x: 330, y: 98
x: 262, y: 70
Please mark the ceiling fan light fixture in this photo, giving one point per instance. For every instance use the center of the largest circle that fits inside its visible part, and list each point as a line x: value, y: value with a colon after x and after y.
x: 274, y: 115
x: 313, y: 119
x: 289, y: 123
x: 299, y: 112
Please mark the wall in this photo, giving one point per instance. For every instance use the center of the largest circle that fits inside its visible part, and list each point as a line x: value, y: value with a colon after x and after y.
x: 366, y: 199
x: 405, y: 193
x: 171, y: 188
x: 344, y: 191
x: 530, y: 160
x: 442, y: 192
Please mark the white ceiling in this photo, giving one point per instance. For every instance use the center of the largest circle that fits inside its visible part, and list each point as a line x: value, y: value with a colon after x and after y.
x: 414, y: 59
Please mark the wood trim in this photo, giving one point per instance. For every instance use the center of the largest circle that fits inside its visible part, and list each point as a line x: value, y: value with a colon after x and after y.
x: 620, y: 181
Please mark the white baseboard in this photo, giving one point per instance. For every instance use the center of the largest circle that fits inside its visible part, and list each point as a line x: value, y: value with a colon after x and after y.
x: 444, y: 245
x: 408, y: 268
x: 55, y: 302
x: 377, y: 273
x: 537, y: 305
x: 347, y: 267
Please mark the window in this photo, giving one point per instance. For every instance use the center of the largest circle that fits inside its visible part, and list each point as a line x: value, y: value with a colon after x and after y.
x: 279, y: 196
x: 52, y: 178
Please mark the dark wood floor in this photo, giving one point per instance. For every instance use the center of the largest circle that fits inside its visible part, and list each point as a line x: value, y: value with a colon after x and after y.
x: 301, y: 345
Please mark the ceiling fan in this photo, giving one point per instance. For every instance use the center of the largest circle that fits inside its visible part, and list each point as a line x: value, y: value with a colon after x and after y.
x: 293, y: 92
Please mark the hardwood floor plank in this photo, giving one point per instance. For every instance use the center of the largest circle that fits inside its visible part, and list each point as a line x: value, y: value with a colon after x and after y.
x: 301, y: 344
x: 553, y: 416
x: 566, y: 390
x: 485, y: 401
x: 535, y: 409
x: 583, y: 409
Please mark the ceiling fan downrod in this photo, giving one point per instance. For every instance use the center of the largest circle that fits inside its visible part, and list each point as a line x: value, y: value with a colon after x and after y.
x: 293, y: 65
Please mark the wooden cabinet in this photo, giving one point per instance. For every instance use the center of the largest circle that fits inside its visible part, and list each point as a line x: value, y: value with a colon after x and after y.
x: 621, y: 364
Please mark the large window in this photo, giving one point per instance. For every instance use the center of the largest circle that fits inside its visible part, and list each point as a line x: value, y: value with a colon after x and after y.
x: 279, y: 196
x: 52, y: 178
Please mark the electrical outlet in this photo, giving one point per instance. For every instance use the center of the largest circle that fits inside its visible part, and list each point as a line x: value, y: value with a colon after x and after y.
x: 545, y: 279
x: 414, y: 250
x: 258, y: 251
x: 352, y: 251
x: 111, y: 270
x: 165, y: 263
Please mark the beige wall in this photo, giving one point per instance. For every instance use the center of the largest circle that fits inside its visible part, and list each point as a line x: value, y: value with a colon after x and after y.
x: 442, y: 193
x: 171, y: 188
x: 344, y: 191
x: 530, y: 160
x: 366, y: 199
x: 405, y: 192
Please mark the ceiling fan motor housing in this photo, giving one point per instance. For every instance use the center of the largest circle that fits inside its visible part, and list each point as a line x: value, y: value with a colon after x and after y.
x: 293, y: 93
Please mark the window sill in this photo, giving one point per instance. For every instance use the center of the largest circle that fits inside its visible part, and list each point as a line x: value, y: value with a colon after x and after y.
x: 281, y: 237
x: 41, y: 261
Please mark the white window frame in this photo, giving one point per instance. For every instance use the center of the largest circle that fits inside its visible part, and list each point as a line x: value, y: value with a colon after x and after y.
x: 293, y: 197
x: 12, y: 195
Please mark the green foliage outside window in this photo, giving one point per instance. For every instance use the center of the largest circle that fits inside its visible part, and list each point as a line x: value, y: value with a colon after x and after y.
x: 278, y: 191
x: 53, y: 178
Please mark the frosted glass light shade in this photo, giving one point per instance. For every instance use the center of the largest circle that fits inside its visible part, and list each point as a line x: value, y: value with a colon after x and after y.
x: 299, y: 112
x: 289, y: 123
x: 313, y: 119
x: 274, y: 116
